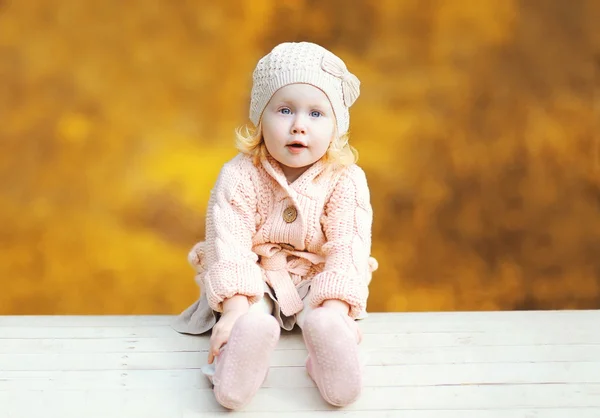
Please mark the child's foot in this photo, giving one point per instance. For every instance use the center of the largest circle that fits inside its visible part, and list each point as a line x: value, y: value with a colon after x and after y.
x: 244, y: 362
x: 333, y: 359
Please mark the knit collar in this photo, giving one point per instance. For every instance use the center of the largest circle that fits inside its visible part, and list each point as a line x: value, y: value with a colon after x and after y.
x: 300, y: 185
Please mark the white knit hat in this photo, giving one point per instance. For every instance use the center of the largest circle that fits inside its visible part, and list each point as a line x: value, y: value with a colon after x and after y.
x: 304, y: 62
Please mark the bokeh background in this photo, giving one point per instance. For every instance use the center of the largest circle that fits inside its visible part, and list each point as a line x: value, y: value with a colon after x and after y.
x: 478, y: 126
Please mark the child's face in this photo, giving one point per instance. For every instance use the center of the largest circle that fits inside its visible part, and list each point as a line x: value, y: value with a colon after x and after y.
x: 298, y: 126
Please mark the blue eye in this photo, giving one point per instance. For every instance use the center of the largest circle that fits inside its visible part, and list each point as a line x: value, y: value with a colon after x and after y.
x: 315, y: 114
x: 285, y: 111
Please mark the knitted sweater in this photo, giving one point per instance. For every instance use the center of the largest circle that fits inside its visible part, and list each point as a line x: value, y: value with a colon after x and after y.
x: 260, y: 228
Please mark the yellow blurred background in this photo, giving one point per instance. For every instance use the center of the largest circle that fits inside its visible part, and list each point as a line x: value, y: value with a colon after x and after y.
x: 478, y: 127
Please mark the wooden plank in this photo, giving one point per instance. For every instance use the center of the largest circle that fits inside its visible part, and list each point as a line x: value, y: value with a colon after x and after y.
x: 290, y: 341
x: 473, y: 413
x: 518, y: 336
x: 77, y: 409
x: 191, y: 360
x: 421, y: 322
x: 291, y: 377
x: 14, y: 353
x: 467, y: 397
x: 111, y: 321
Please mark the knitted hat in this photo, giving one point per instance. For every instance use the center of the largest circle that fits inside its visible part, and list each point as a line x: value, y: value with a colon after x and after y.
x: 304, y: 62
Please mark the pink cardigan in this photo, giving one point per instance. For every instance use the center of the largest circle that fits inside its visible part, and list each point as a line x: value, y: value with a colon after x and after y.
x: 260, y: 228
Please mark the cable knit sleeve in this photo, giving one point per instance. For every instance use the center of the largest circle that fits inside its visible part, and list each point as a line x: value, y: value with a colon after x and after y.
x: 231, y: 266
x: 347, y: 225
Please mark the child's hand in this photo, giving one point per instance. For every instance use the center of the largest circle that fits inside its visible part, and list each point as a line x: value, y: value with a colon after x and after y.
x: 343, y: 308
x: 221, y: 331
x: 338, y: 305
x: 233, y: 308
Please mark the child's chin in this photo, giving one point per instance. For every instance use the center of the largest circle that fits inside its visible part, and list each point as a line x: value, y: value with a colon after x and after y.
x: 299, y: 164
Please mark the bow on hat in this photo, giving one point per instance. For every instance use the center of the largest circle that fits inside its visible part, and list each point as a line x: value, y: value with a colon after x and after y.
x: 350, y: 83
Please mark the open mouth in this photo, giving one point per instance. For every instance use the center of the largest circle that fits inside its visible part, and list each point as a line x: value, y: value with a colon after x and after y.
x: 297, y: 145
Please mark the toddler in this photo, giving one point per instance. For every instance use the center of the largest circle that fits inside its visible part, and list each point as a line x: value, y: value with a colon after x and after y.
x: 288, y: 233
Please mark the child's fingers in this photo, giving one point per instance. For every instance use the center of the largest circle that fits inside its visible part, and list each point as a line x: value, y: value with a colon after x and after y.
x: 211, y: 349
x: 217, y: 347
x: 219, y: 336
x: 216, y: 342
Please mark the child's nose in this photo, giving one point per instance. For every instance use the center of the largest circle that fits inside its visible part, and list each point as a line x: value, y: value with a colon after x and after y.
x: 298, y: 127
x: 298, y: 130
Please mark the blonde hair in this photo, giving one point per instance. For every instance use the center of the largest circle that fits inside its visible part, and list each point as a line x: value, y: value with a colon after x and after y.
x: 249, y: 141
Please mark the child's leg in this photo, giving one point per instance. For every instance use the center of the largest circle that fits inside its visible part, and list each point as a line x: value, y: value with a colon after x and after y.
x: 333, y: 361
x: 242, y: 366
x: 244, y: 361
x: 301, y: 316
x: 265, y: 305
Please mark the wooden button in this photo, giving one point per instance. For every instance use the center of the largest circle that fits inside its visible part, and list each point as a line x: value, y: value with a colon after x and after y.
x: 290, y: 214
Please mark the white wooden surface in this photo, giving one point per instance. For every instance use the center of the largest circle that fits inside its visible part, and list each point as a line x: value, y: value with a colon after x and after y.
x: 419, y: 365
